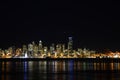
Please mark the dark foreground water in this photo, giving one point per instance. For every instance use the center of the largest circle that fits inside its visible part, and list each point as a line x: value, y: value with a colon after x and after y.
x: 59, y: 70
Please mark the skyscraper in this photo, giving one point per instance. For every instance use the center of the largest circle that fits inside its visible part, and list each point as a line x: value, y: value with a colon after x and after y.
x: 70, y: 45
x: 24, y: 50
x: 40, y: 45
x: 52, y: 48
x: 30, y: 50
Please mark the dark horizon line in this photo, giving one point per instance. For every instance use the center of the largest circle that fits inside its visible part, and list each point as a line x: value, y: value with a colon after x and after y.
x: 109, y: 60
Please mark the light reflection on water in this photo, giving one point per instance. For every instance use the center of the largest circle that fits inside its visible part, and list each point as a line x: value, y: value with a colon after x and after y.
x: 58, y: 70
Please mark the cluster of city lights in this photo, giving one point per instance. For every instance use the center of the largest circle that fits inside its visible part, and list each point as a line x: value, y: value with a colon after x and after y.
x: 33, y: 50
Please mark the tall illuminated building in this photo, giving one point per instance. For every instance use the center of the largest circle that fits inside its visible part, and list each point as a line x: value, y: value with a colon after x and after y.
x: 24, y: 50
x: 63, y: 47
x: 58, y: 48
x: 45, y: 50
x: 30, y: 50
x: 52, y: 48
x: 35, y: 50
x: 40, y: 44
x: 70, y: 45
x: 40, y: 47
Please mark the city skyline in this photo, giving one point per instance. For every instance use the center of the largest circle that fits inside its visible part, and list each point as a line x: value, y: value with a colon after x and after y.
x: 92, y: 25
x: 59, y: 50
x: 64, y: 40
x: 59, y: 40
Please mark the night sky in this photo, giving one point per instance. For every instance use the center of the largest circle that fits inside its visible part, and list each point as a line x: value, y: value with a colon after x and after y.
x: 92, y: 24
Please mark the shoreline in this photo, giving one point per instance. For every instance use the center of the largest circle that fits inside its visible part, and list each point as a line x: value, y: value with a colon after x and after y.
x: 64, y: 59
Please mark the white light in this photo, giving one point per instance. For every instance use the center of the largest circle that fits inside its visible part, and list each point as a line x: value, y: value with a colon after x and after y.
x: 26, y: 55
x: 115, y: 56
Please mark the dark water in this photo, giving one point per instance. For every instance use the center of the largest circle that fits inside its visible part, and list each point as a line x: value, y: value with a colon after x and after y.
x: 59, y: 70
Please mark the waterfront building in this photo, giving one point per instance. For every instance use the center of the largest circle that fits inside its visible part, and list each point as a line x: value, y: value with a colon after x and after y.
x: 58, y: 49
x: 35, y: 51
x: 24, y: 50
x: 40, y: 47
x: 63, y: 48
x: 45, y: 50
x: 52, y: 49
x: 70, y: 46
x: 30, y: 50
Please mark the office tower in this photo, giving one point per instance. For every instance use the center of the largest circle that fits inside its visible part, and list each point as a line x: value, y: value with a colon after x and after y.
x: 40, y: 44
x: 63, y: 48
x: 40, y: 47
x: 45, y: 50
x: 70, y: 45
x: 35, y: 49
x: 30, y: 50
x: 24, y: 50
x: 33, y: 43
x: 58, y: 48
x: 52, y: 48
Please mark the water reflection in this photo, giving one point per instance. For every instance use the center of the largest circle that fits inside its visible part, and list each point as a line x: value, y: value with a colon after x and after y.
x: 58, y: 70
x: 25, y: 65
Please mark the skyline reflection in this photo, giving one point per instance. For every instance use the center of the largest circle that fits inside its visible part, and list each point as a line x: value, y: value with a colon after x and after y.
x: 54, y: 70
x: 57, y: 66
